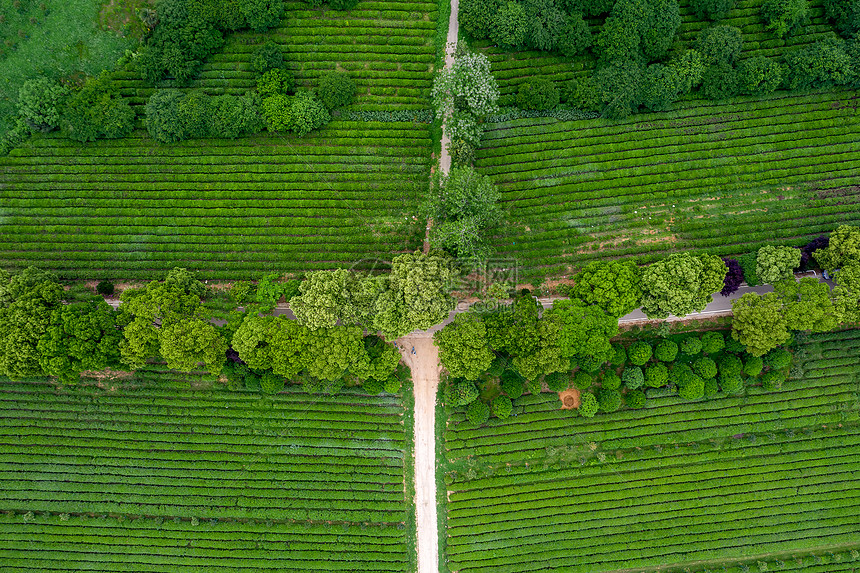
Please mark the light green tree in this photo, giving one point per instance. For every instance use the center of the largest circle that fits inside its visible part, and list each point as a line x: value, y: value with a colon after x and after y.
x: 807, y: 304
x: 843, y: 249
x: 846, y: 293
x: 759, y: 322
x: 680, y: 284
x: 463, y: 347
x: 585, y: 330
x: 186, y: 343
x: 615, y: 286
x: 776, y: 263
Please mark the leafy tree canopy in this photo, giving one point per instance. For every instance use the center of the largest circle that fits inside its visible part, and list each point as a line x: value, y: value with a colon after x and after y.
x: 680, y: 284
x: 614, y: 286
x: 463, y: 348
x: 759, y: 322
x: 585, y: 329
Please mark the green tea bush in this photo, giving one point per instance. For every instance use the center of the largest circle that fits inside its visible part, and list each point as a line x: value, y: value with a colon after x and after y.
x: 588, y: 405
x: 656, y: 376
x: 583, y: 380
x: 608, y: 400
x: 731, y: 384
x: 666, y: 351
x: 478, y: 413
x: 730, y: 365
x: 635, y: 399
x: 538, y: 93
x: 610, y: 381
x: 705, y: 367
x: 512, y: 384
x: 633, y: 377
x: 691, y: 345
x: 777, y: 359
x: 639, y: 353
x: 336, y: 89
x: 267, y: 57
x: 557, y: 381
x: 502, y: 407
x: 713, y: 342
x: 772, y: 380
x: 753, y: 366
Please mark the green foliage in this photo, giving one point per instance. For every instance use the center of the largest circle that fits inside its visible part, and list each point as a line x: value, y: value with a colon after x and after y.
x: 680, y: 284
x: 778, y: 359
x: 759, y: 75
x: 276, y: 81
x: 772, y: 380
x: 105, y: 288
x: 40, y: 103
x: 660, y: 87
x: 162, y: 116
x: 478, y: 413
x: 307, y: 114
x: 639, y: 353
x: 776, y: 263
x: 807, y: 304
x: 583, y: 380
x: 502, y: 407
x: 618, y: 87
x: 845, y: 15
x: 846, y: 294
x: 512, y: 384
x: 610, y: 381
x: 588, y: 405
x: 693, y: 387
x: 463, y: 348
x: 510, y: 26
x: 753, y: 366
x: 608, y: 400
x: 392, y: 384
x: 720, y: 44
x: 712, y: 387
x: 267, y: 57
x: 783, y: 17
x: 184, y: 343
x: 748, y: 264
x: 545, y: 24
x: 635, y: 399
x: 271, y: 383
x: 843, y: 249
x: 633, y: 377
x: 557, y: 381
x: 584, y: 330
x: 97, y: 111
x: 460, y: 392
x: 759, y: 322
x: 656, y: 376
x: 730, y: 365
x: 619, y: 356
x: 614, y: 286
x: 705, y: 367
x: 336, y: 89
x: 713, y: 342
x: 469, y: 82
x: 691, y: 345
x: 575, y: 37
x: 731, y: 383
x: 666, y: 351
x: 538, y: 93
x: 712, y: 9
x: 720, y: 81
x: 373, y: 386
x: 476, y: 17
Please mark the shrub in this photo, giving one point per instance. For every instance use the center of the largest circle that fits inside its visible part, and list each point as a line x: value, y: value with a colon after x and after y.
x: 538, y: 93
x: 734, y: 345
x: 693, y: 388
x: 784, y: 16
x: 619, y: 356
x: 734, y: 277
x: 730, y: 365
x: 772, y: 380
x: 478, y: 413
x: 392, y: 385
x: 720, y: 81
x: 635, y: 399
x: 705, y: 367
x: 267, y: 57
x: 583, y: 380
x: 575, y: 37
x: 656, y: 376
x: 639, y: 353
x: 731, y: 384
x: 588, y: 405
x: 40, y: 103
x: 610, y: 381
x: 845, y: 15
x: 691, y: 345
x: 276, y: 82
x: 97, y: 111
x: 753, y: 366
x: 712, y: 342
x: 502, y: 407
x: 777, y: 359
x: 510, y: 26
x: 372, y: 386
x: 759, y: 75
x: 748, y: 264
x: 557, y: 381
x: 712, y: 9
x: 336, y: 89
x: 512, y: 384
x: 720, y: 44
x: 234, y: 116
x: 711, y: 387
x: 105, y: 288
x: 666, y: 351
x: 633, y: 377
x: 271, y: 383
x: 608, y: 400
x: 195, y: 113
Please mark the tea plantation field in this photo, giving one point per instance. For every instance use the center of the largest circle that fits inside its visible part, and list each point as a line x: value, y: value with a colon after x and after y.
x: 155, y: 475
x: 134, y: 208
x: 724, y: 177
x: 765, y: 482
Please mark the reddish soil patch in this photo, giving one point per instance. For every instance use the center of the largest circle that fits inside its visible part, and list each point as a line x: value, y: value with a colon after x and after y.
x: 569, y: 399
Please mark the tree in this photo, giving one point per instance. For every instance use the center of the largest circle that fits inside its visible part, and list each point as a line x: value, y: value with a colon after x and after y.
x: 639, y: 352
x: 666, y: 351
x: 619, y: 87
x: 846, y: 294
x: 585, y: 329
x: 807, y: 304
x: 476, y: 17
x: 268, y: 342
x: 660, y: 87
x: 712, y: 342
x: 261, y: 15
x: 784, y: 16
x: 759, y: 322
x: 680, y: 284
x: 776, y: 263
x: 843, y: 249
x: 705, y: 367
x: 40, y: 103
x: 97, y: 111
x: 478, y: 413
x: 658, y: 28
x: 336, y: 89
x: 463, y: 348
x: 510, y: 26
x: 615, y: 286
x: 712, y: 9
x: 656, y: 376
x: 720, y: 44
x: 502, y: 407
x: 27, y: 301
x: 545, y: 24
x: 327, y: 297
x: 546, y: 356
x: 163, y: 120
x: 276, y: 81
x: 331, y: 353
x: 80, y: 336
x: 575, y: 37
x: 633, y: 377
x: 267, y: 57
x: 759, y: 75
x: 307, y: 114
x: 538, y: 93
x: 734, y: 277
x: 825, y: 63
x: 588, y: 405
x: 635, y: 399
x: 186, y: 343
x: 608, y: 400
x: 845, y: 14
x: 469, y: 81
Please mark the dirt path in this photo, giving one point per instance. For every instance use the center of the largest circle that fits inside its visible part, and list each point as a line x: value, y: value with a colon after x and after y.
x: 445, y: 158
x: 425, y: 376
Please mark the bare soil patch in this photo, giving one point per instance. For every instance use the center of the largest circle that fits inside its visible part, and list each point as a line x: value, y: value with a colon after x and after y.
x: 569, y: 399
